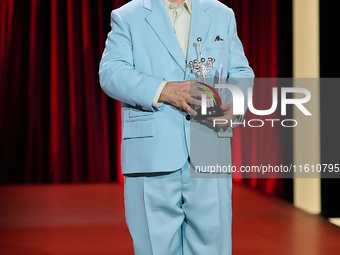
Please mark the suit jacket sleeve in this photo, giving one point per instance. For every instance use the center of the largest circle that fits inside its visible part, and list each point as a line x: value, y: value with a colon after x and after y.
x: 239, y: 71
x: 118, y: 78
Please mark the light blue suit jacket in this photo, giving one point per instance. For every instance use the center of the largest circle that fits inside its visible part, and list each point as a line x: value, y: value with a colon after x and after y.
x: 140, y: 52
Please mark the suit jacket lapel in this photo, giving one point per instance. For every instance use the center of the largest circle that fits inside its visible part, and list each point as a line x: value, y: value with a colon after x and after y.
x: 159, y: 20
x: 200, y: 24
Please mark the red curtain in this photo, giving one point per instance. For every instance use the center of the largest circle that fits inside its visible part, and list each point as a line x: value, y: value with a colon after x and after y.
x: 56, y: 125
x: 257, y: 28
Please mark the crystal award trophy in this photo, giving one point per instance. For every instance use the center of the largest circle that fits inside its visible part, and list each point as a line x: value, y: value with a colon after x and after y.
x: 211, y: 107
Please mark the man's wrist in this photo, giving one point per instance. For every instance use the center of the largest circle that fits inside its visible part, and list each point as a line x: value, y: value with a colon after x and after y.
x: 156, y: 103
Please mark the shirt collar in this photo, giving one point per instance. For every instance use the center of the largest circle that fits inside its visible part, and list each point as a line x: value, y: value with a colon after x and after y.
x: 186, y: 4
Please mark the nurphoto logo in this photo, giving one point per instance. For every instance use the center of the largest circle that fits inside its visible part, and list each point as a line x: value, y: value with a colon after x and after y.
x: 239, y: 105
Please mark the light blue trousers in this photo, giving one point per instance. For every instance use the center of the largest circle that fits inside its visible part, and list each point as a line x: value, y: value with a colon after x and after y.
x: 174, y: 214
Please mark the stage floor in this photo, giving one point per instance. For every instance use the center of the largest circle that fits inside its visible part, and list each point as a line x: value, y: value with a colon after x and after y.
x: 89, y: 219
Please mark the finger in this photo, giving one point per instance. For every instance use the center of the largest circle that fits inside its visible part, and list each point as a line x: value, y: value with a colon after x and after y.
x: 225, y: 107
x: 195, y: 90
x: 194, y: 101
x: 187, y: 108
x: 198, y: 93
x: 201, y: 88
x: 194, y: 83
x: 199, y: 84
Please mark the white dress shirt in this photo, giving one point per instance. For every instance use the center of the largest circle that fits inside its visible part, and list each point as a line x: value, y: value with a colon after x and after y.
x: 180, y: 17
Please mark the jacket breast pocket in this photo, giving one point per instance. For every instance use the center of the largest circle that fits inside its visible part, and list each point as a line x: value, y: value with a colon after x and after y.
x: 139, y: 129
x: 216, y: 45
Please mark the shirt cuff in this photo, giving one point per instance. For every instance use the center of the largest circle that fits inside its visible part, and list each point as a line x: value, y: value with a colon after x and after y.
x: 155, y: 102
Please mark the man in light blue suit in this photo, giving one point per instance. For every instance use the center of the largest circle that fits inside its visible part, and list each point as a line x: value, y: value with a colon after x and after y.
x: 144, y: 65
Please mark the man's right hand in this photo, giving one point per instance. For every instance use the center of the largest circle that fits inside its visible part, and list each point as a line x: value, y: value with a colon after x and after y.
x: 181, y: 94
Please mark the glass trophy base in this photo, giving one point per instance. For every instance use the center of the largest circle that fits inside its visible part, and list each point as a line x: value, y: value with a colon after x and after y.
x: 211, y: 112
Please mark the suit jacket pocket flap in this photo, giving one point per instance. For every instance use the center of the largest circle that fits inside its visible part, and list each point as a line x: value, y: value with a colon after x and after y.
x: 138, y: 129
x: 135, y: 113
